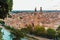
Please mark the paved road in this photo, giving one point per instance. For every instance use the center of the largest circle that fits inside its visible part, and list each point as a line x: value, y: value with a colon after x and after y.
x: 39, y: 38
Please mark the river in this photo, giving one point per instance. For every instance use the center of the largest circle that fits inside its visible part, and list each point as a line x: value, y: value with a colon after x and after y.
x: 6, y: 35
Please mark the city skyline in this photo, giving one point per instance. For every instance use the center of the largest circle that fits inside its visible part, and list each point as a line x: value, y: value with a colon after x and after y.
x: 31, y: 4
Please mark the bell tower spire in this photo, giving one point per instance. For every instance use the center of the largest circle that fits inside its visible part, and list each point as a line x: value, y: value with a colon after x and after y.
x: 35, y: 9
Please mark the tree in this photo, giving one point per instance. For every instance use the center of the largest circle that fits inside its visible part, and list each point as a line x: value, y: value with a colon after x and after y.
x: 58, y: 33
x: 2, y: 22
x: 39, y: 30
x: 0, y: 34
x: 51, y: 33
x: 58, y: 28
x: 24, y: 30
x: 5, y: 7
x: 10, y: 4
x: 30, y: 29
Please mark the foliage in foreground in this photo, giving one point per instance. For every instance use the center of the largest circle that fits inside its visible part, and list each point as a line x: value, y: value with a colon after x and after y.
x: 16, y: 32
x: 40, y: 31
x: 0, y: 34
x: 51, y: 33
x: 5, y: 7
x: 10, y: 4
x: 58, y: 31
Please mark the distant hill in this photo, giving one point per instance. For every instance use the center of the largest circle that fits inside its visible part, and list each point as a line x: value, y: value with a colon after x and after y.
x: 20, y: 11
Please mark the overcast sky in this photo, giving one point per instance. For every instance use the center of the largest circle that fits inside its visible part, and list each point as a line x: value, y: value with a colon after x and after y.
x: 31, y: 4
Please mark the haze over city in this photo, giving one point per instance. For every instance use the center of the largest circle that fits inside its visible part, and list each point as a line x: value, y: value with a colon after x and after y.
x: 31, y: 4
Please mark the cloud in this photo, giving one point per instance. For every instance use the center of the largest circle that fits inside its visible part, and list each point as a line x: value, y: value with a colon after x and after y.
x: 31, y: 4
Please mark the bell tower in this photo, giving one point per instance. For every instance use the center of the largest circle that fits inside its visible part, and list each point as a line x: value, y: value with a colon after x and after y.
x: 41, y: 10
x: 35, y: 11
x: 35, y: 17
